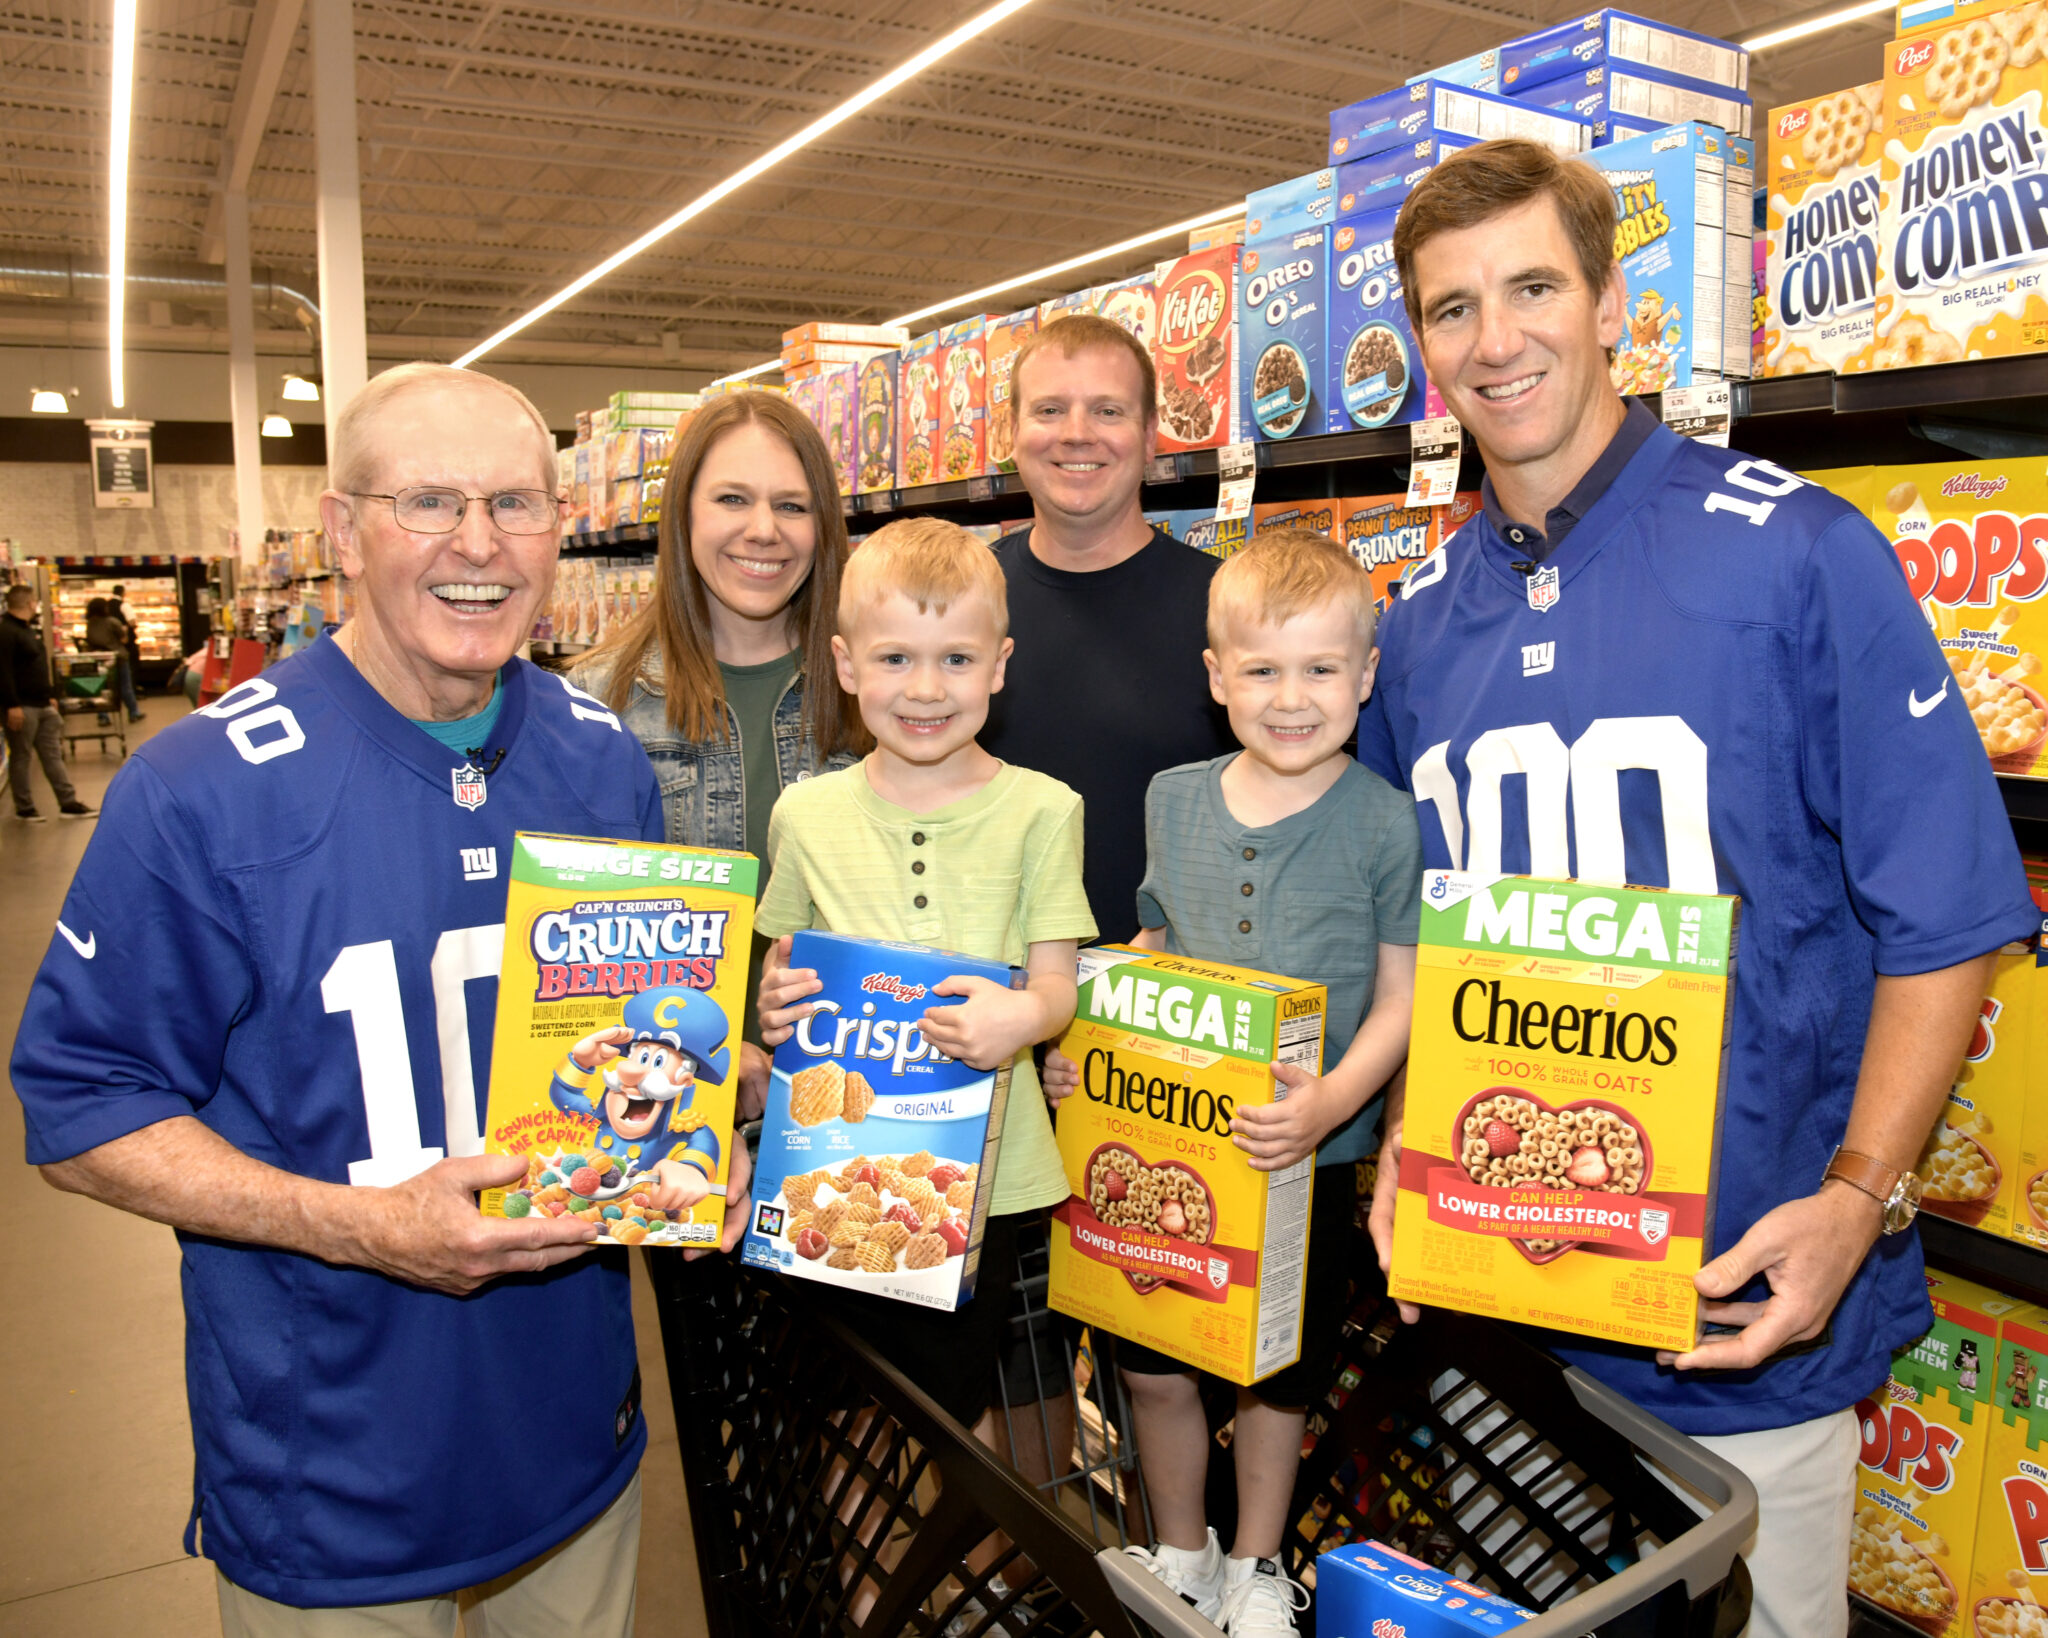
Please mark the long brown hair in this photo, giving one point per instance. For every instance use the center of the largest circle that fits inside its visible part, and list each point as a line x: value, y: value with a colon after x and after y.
x: 676, y: 627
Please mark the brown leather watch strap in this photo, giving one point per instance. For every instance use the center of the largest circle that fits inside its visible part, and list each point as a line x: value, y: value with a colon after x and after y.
x: 1864, y: 1172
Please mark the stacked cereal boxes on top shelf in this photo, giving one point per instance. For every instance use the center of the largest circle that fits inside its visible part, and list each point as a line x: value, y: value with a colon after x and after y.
x: 1283, y: 306
x: 1195, y: 356
x: 1429, y: 107
x: 1480, y: 71
x: 1618, y: 101
x: 1821, y: 187
x: 1616, y: 38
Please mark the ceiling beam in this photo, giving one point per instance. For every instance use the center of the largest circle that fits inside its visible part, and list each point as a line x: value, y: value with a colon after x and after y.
x: 269, y: 42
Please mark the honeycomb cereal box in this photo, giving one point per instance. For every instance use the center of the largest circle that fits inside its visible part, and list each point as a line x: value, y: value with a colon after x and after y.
x: 1169, y: 1237
x: 1821, y: 161
x: 1972, y: 1166
x: 1973, y: 539
x: 1965, y: 192
x: 615, y: 1059
x: 1564, y: 1097
x: 878, y: 1152
x: 2009, y: 1563
x: 999, y: 345
x: 876, y: 407
x: 963, y: 398
x: 917, y: 412
x: 1133, y: 305
x: 1925, y: 1438
x: 1195, y: 356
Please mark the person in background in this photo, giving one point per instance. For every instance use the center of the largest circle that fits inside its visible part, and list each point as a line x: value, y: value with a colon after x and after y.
x: 107, y: 633
x: 34, y: 724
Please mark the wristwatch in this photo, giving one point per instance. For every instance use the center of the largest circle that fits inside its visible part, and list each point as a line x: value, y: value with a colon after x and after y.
x: 1898, y: 1192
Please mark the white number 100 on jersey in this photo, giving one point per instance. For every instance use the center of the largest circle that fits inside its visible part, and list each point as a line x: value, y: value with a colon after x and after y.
x: 1588, y: 773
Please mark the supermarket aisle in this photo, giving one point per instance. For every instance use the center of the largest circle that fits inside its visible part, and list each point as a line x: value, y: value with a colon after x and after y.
x: 91, y: 1368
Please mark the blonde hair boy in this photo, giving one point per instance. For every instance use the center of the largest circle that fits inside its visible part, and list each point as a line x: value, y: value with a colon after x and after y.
x: 1285, y: 573
x: 931, y: 562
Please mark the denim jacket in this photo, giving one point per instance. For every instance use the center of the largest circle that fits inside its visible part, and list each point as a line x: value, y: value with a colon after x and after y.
x: 703, y: 785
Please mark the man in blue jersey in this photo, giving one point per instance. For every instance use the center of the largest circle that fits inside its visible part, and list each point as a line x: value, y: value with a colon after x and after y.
x: 266, y: 1020
x: 1657, y: 661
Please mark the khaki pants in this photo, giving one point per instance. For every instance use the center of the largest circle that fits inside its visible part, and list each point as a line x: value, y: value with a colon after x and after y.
x: 581, y: 1589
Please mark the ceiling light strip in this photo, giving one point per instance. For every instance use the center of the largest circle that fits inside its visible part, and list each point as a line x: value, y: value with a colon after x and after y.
x: 857, y: 103
x: 117, y: 197
x: 1818, y: 25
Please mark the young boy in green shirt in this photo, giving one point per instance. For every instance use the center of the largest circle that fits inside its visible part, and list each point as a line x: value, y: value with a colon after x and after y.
x: 931, y: 840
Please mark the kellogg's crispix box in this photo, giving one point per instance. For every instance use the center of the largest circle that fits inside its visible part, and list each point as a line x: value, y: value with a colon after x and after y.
x: 877, y: 1150
x: 616, y: 1056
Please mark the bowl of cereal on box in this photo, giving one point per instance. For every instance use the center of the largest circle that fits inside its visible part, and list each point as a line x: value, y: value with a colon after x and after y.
x: 1163, y: 1198
x: 899, y: 1215
x: 2011, y: 716
x: 2008, y: 1618
x: 1898, y: 1575
x: 1505, y: 1139
x: 1962, y: 1176
x: 1375, y: 374
x: 1280, y: 389
x: 2037, y: 1201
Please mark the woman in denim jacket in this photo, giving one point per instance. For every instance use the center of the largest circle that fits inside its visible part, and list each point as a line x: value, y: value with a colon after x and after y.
x: 716, y: 677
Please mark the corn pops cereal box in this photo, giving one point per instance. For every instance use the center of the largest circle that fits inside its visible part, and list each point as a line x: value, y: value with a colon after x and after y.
x: 917, y: 412
x: 878, y: 1152
x: 1169, y: 1237
x: 876, y: 407
x: 2009, y: 1560
x: 838, y: 419
x: 1964, y: 206
x: 1821, y: 164
x: 1925, y: 1439
x: 615, y: 1060
x: 1195, y: 357
x: 963, y: 398
x: 1564, y: 1096
x: 1972, y: 1164
x: 999, y: 345
x: 1973, y: 540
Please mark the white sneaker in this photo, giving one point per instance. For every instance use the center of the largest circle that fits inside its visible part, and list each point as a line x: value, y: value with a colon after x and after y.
x: 1260, y: 1600
x: 1196, y: 1577
x: 973, y: 1612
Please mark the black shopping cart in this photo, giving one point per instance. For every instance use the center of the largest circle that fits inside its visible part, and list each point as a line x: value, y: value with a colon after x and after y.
x: 87, y: 703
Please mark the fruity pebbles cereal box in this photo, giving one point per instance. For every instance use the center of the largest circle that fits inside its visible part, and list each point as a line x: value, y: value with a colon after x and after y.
x: 878, y: 1152
x: 1564, y: 1097
x: 615, y: 1061
x: 1170, y: 1237
x: 1821, y: 158
x: 1925, y: 1437
x: 2009, y: 1566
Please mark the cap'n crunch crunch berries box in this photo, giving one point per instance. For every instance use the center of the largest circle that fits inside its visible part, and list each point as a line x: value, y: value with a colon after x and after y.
x: 1170, y: 1238
x: 2009, y: 1566
x: 615, y: 1058
x: 1564, y: 1099
x: 1972, y: 1165
x: 878, y: 1152
x: 1821, y: 161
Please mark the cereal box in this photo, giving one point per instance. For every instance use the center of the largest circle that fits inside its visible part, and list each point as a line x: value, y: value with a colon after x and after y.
x: 1319, y: 515
x: 1737, y: 267
x: 1965, y: 193
x: 1625, y: 96
x: 838, y: 396
x: 1000, y: 343
x: 1615, y: 37
x: 1283, y: 306
x: 808, y: 394
x: 1216, y: 235
x: 1671, y: 199
x: 1480, y: 71
x: 1820, y: 295
x: 1432, y: 107
x: 2009, y: 1560
x: 1132, y: 303
x: 878, y: 1152
x: 917, y: 412
x: 877, y: 411
x: 963, y: 398
x: 1972, y: 1166
x: 1973, y: 540
x: 1370, y: 1589
x: 1195, y: 357
x: 1169, y: 1237
x: 615, y: 1059
x: 1564, y: 1096
x: 1383, y: 180
x: 1920, y: 1472
x: 806, y: 355
x: 1078, y: 301
x: 1389, y: 537
x: 878, y: 336
x: 1219, y: 537
x: 1374, y: 366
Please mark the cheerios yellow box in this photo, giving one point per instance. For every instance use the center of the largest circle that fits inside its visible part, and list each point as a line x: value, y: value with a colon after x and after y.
x: 1564, y: 1100
x: 2009, y: 1567
x: 1925, y: 1438
x: 1972, y: 537
x: 615, y: 1060
x: 1961, y: 231
x: 1821, y: 189
x: 1974, y: 1164
x: 1170, y: 1237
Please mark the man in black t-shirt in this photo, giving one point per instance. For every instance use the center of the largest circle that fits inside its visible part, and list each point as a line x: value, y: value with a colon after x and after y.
x: 1106, y: 686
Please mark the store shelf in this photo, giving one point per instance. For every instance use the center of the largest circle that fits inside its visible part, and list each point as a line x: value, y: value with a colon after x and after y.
x: 1867, y: 1620
x: 1991, y: 1259
x: 629, y: 534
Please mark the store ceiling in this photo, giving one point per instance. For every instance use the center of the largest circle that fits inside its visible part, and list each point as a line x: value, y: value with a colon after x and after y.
x: 506, y: 147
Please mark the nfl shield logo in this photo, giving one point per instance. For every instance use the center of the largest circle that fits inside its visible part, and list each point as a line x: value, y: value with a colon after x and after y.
x: 1543, y: 588
x: 1656, y: 1224
x: 469, y: 786
x: 1219, y: 1272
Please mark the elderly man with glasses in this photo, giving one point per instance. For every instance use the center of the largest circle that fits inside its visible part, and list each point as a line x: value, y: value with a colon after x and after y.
x: 265, y: 1020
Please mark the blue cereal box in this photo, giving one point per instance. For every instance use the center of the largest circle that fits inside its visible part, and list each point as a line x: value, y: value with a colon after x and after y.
x: 1480, y: 71
x: 1612, y: 37
x: 1374, y: 367
x: 1283, y: 306
x: 1670, y: 237
x: 1371, y: 1591
x: 1382, y: 180
x: 1423, y: 108
x: 878, y: 1152
x: 1612, y: 98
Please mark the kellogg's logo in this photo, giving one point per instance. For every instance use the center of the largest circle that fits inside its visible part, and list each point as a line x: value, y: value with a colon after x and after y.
x: 1973, y: 483
x: 893, y: 987
x: 1793, y: 122
x: 1913, y: 57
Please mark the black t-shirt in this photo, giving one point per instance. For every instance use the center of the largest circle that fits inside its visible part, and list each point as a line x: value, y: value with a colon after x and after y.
x: 1107, y: 687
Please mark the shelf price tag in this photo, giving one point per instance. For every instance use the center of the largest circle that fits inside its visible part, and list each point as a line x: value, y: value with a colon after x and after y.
x: 1238, y: 466
x: 1434, y: 447
x: 981, y: 489
x: 1700, y: 412
x: 1162, y: 469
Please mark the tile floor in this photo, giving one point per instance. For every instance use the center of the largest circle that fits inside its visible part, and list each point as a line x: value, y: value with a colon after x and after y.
x: 91, y: 1369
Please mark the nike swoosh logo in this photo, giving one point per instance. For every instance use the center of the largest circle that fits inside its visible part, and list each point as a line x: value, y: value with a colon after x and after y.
x: 1920, y: 708
x: 86, y: 947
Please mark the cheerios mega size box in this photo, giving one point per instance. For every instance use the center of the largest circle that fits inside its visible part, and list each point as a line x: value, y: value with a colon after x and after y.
x: 622, y: 984
x: 1564, y: 1098
x: 1973, y: 1167
x: 1169, y: 1236
x: 878, y: 1152
x: 2008, y: 1584
x: 1924, y: 1441
x: 1821, y: 162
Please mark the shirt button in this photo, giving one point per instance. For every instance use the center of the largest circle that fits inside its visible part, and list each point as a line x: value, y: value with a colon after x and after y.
x: 917, y: 867
x: 918, y: 901
x: 1246, y: 889
x: 1244, y: 927
x: 1516, y: 536
x: 1251, y: 853
x: 917, y: 838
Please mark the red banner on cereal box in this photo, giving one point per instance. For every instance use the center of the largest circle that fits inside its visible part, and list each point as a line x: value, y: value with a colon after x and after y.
x: 1201, y: 1270
x: 1639, y: 1226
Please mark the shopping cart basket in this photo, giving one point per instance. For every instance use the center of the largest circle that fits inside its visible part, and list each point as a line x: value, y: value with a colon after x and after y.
x: 86, y: 688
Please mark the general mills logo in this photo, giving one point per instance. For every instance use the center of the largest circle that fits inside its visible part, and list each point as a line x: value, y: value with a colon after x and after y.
x: 1439, y: 884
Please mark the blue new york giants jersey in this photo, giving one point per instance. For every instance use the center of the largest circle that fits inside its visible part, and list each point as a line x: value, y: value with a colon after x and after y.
x: 289, y: 927
x: 1727, y: 688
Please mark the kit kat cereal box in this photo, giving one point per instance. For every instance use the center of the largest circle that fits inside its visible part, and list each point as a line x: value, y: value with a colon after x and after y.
x: 2009, y: 1559
x: 917, y: 412
x: 877, y: 1150
x: 1564, y: 1097
x: 1821, y: 168
x: 1000, y: 343
x: 615, y: 1059
x: 1169, y: 1237
x: 963, y: 398
x: 1925, y: 1438
x: 876, y: 407
x: 1195, y: 356
x: 1973, y: 1166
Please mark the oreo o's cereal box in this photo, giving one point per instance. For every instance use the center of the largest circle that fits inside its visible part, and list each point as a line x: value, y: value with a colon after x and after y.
x: 1375, y: 368
x: 878, y: 1152
x: 1283, y: 303
x: 1372, y: 1591
x: 615, y: 1059
x: 1615, y: 37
